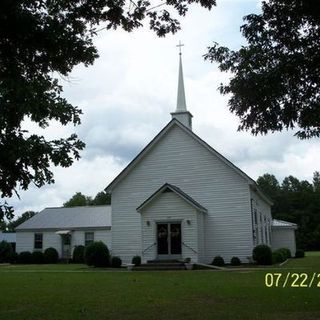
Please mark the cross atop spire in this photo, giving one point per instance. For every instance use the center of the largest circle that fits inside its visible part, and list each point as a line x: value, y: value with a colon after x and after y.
x: 179, y: 46
x: 181, y: 113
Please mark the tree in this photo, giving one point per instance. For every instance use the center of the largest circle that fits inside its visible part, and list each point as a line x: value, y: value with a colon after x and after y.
x: 276, y: 81
x: 101, y: 198
x: 269, y: 184
x: 295, y: 201
x: 77, y: 200
x: 316, y: 181
x: 40, y: 40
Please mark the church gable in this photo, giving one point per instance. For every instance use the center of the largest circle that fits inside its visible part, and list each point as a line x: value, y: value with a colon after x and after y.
x: 171, y: 188
x: 176, y: 142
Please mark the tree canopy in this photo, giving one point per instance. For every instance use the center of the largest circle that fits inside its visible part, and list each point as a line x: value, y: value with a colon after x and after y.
x: 297, y: 201
x: 79, y: 199
x: 275, y: 82
x: 40, y: 41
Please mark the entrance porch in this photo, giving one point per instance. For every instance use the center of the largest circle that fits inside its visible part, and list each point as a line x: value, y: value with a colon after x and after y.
x: 172, y: 226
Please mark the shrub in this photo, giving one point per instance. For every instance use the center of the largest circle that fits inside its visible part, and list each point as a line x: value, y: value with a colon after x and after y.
x: 262, y: 254
x: 97, y: 254
x: 286, y: 253
x: 116, y: 262
x: 218, y: 261
x: 235, y: 261
x: 51, y: 255
x: 299, y: 253
x: 6, y: 251
x: 278, y: 256
x: 25, y: 257
x: 37, y: 257
x: 78, y: 254
x: 14, y: 257
x: 136, y: 260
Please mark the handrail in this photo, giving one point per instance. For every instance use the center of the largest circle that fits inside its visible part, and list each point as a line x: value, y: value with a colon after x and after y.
x: 148, y: 247
x: 189, y: 247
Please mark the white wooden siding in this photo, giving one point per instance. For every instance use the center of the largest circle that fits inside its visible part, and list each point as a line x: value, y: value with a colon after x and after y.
x: 25, y: 239
x: 262, y: 228
x: 169, y: 207
x: 284, y: 238
x: 180, y: 160
x: 201, y: 235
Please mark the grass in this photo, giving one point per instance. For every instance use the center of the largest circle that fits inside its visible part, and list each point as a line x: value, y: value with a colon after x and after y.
x: 77, y: 292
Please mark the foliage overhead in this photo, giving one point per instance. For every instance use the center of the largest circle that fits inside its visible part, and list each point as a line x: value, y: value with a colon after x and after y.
x: 275, y: 81
x: 41, y: 40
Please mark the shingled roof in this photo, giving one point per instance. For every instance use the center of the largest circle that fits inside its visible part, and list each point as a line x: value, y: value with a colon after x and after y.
x: 69, y: 218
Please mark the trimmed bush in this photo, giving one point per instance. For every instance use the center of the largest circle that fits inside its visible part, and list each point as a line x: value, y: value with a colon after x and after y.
x: 300, y: 253
x: 116, y: 262
x: 235, y: 261
x: 14, y: 257
x: 262, y: 254
x: 218, y: 261
x: 78, y: 254
x: 278, y: 256
x: 136, y: 260
x: 286, y: 253
x: 51, y: 255
x: 25, y: 257
x: 6, y: 251
x: 37, y: 257
x: 97, y: 254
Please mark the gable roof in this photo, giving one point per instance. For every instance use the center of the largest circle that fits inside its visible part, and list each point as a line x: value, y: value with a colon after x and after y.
x: 175, y: 122
x: 283, y: 224
x: 178, y: 192
x: 69, y: 218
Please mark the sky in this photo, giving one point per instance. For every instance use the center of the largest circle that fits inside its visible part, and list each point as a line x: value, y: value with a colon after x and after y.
x: 128, y: 94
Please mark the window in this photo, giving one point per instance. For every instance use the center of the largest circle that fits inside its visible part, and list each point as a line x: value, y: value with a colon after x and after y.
x: 88, y: 238
x: 38, y: 240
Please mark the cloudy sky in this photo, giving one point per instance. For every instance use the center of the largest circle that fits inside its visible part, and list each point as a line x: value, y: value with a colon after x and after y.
x: 128, y: 94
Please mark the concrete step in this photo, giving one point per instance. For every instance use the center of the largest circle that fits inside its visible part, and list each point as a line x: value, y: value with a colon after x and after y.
x: 166, y: 264
x: 164, y: 261
x: 159, y: 267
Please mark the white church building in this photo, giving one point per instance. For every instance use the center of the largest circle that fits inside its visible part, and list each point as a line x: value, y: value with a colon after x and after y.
x: 179, y: 198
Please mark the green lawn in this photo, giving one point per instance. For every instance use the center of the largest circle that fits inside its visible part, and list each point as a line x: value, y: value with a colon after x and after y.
x: 76, y: 292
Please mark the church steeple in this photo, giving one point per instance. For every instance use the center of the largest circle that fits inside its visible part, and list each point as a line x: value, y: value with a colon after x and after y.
x: 181, y: 113
x: 181, y: 97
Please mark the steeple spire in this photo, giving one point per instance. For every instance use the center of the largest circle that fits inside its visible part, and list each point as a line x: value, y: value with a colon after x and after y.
x: 181, y: 97
x: 181, y: 113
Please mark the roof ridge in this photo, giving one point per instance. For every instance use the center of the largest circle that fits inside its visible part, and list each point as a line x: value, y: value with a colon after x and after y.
x: 93, y: 206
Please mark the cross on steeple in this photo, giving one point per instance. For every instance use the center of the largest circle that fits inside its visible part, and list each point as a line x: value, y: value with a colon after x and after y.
x: 179, y: 46
x: 182, y: 114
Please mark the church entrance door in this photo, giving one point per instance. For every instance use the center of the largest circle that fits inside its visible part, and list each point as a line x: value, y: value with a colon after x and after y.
x: 169, y: 240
